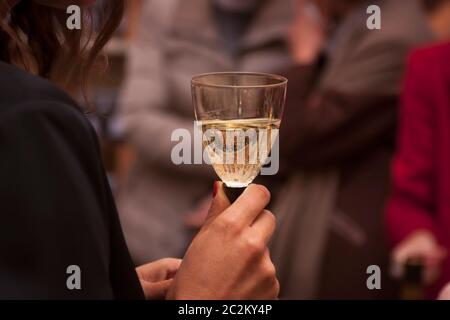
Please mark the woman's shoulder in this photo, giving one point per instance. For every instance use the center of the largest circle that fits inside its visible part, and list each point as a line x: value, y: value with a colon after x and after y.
x: 24, y: 95
x: 20, y: 87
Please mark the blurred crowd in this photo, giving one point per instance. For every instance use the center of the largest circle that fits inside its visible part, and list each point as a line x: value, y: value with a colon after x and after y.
x: 364, y: 142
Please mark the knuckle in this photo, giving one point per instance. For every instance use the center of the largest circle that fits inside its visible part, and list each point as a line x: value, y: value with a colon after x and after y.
x: 165, y: 261
x: 255, y: 246
x: 269, y: 272
x: 228, y: 222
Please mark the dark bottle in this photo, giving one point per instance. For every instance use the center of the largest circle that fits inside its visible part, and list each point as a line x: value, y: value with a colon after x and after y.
x: 412, y: 284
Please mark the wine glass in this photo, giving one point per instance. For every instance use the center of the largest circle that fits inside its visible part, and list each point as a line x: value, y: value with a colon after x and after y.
x: 239, y: 114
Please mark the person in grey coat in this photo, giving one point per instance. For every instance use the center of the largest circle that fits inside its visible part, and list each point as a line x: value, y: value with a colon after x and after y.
x: 337, y: 138
x: 178, y: 39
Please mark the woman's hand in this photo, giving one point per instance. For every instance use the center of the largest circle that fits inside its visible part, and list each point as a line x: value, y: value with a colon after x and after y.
x: 445, y: 293
x: 421, y: 245
x: 156, y: 277
x: 229, y: 259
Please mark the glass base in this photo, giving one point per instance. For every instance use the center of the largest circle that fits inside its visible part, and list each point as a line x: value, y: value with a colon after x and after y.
x: 233, y: 184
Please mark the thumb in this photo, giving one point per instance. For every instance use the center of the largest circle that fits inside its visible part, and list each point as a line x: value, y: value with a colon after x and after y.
x: 219, y: 204
x: 156, y: 290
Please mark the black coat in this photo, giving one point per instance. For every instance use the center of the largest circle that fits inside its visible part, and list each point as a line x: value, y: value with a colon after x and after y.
x: 56, y: 207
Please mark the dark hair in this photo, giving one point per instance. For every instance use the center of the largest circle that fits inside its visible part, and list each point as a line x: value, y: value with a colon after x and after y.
x: 35, y: 37
x: 431, y: 5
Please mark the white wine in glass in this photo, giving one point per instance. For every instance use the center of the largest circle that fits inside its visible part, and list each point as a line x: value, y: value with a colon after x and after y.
x: 245, y: 144
x: 239, y: 115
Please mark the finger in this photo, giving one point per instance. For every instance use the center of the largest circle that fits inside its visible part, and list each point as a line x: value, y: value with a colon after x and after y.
x: 159, y: 270
x: 219, y: 204
x: 264, y: 225
x: 156, y: 290
x: 403, y: 253
x: 249, y: 205
x: 270, y: 285
x: 276, y: 290
x: 276, y: 284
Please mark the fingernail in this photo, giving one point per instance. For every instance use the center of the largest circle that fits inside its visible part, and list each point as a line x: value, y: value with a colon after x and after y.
x: 215, y: 188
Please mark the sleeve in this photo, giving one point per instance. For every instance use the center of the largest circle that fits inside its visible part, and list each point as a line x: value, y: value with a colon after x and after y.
x: 52, y: 215
x: 331, y: 128
x: 412, y: 205
x: 145, y: 111
x: 374, y: 65
x: 348, y: 114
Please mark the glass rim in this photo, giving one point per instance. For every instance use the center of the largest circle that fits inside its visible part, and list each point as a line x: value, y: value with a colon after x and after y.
x: 196, y: 82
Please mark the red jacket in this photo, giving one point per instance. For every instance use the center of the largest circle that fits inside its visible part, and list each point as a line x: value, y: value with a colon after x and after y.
x: 421, y: 169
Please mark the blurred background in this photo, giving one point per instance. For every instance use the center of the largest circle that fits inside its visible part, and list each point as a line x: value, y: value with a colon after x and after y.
x: 361, y: 180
